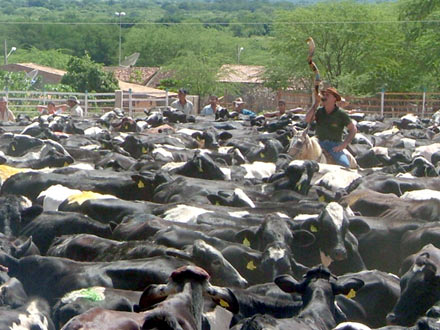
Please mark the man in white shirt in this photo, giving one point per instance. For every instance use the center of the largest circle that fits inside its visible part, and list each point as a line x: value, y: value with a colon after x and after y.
x: 5, y: 113
x: 73, y: 107
x: 182, y: 103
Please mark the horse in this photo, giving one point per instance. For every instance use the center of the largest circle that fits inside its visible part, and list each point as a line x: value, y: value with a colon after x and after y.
x: 303, y: 147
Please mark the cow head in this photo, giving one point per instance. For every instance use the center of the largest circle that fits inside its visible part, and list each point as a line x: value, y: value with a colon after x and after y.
x: 214, y: 263
x: 177, y: 283
x: 332, y: 231
x: 420, y: 289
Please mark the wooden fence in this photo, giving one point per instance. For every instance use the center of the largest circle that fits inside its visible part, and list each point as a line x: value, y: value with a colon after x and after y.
x: 423, y: 104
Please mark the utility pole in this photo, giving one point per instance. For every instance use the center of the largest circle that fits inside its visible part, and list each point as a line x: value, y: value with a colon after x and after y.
x: 6, y: 53
x: 120, y: 14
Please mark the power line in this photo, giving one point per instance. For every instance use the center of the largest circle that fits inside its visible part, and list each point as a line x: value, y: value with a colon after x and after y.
x: 220, y: 23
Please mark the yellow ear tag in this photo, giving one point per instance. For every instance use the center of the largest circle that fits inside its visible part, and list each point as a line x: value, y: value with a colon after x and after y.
x: 144, y: 151
x: 141, y: 185
x: 13, y: 148
x: 313, y: 229
x: 198, y: 138
x: 223, y: 303
x: 298, y: 186
x: 262, y: 155
x: 321, y: 198
x: 126, y: 127
x: 66, y: 164
x: 250, y: 265
x: 200, y: 169
x: 217, y: 203
x: 351, y: 294
x: 246, y: 242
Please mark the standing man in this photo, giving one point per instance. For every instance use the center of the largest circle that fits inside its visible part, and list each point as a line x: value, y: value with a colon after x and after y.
x: 212, y: 107
x: 330, y: 123
x: 73, y: 106
x: 182, y: 103
x: 5, y: 113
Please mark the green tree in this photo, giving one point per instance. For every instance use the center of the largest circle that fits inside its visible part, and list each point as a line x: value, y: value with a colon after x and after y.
x: 347, y: 50
x: 198, y: 74
x: 85, y: 75
x: 53, y: 57
x: 422, y: 42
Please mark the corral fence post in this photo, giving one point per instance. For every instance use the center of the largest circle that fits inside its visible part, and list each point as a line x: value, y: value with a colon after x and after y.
x: 382, y: 102
x: 423, y: 103
x: 86, y: 103
x: 119, y: 99
x: 130, y: 102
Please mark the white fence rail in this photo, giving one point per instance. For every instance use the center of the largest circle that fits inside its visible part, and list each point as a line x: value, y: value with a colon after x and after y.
x: 93, y: 103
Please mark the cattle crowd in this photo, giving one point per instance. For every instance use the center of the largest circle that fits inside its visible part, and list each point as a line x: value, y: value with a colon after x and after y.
x: 174, y: 221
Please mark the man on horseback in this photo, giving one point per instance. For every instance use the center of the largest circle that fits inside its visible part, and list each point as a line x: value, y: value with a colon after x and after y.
x: 330, y: 123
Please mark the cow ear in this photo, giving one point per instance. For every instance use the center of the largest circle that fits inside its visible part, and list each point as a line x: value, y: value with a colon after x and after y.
x: 30, y: 213
x: 152, y: 295
x: 112, y: 225
x: 348, y: 285
x: 288, y: 284
x: 358, y: 226
x: 247, y: 237
x: 311, y: 225
x: 223, y: 297
x: 302, y: 238
x: 23, y: 249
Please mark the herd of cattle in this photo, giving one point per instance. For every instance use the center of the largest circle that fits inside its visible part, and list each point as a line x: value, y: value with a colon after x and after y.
x: 179, y: 222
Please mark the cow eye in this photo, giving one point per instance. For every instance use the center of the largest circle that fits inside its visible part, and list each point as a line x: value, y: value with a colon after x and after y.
x: 216, y: 263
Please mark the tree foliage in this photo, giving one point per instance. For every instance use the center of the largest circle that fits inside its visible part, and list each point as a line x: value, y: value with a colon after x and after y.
x: 85, y: 75
x: 353, y: 52
x: 198, y: 74
x: 361, y: 46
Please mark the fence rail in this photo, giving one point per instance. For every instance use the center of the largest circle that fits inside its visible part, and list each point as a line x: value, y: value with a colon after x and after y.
x: 423, y: 104
x: 388, y: 104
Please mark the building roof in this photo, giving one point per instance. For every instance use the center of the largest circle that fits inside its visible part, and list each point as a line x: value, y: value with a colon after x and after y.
x: 135, y: 88
x: 138, y: 75
x: 250, y: 74
x: 33, y: 66
x: 125, y: 86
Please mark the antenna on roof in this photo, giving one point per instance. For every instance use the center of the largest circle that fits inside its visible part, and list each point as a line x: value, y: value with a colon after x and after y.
x: 130, y: 60
x: 32, y: 76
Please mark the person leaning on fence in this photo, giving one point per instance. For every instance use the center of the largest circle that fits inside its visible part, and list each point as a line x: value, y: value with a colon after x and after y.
x: 330, y: 123
x: 282, y: 110
x: 50, y: 109
x: 5, y: 113
x: 73, y: 107
x: 182, y: 103
x: 212, y: 107
x: 239, y: 107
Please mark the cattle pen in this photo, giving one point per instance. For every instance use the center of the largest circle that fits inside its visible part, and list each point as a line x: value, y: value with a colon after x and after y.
x: 26, y: 102
x: 385, y: 104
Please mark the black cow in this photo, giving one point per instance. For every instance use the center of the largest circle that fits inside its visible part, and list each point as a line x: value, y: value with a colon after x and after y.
x: 414, y: 240
x: 79, y: 301
x: 57, y: 276
x: 51, y: 224
x: 35, y: 314
x: 376, y: 298
x: 318, y: 291
x: 335, y: 244
x: 261, y: 267
x: 420, y: 286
